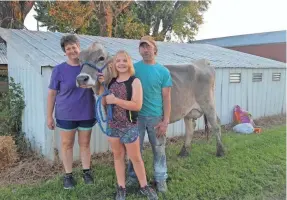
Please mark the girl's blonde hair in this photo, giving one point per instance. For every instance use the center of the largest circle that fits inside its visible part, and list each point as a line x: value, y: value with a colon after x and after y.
x: 129, y: 61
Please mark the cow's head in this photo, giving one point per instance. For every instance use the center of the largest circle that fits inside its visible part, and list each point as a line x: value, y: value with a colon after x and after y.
x: 93, y: 61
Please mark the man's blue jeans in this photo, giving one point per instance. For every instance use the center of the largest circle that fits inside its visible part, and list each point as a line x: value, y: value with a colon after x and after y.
x: 157, y: 144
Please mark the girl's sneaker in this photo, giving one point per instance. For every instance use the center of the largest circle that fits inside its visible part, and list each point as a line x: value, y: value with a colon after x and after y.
x: 149, y: 192
x: 121, y: 193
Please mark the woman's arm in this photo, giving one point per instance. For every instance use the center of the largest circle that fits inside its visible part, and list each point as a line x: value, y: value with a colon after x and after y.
x: 51, y: 102
x: 50, y: 108
x: 135, y: 104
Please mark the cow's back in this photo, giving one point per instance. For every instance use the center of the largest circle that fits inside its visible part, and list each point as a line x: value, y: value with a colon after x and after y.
x: 190, y: 83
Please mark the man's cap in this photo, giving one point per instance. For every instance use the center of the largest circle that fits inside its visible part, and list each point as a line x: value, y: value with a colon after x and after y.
x: 149, y: 40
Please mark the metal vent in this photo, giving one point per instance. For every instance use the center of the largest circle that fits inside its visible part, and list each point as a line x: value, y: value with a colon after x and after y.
x: 257, y: 77
x: 276, y: 76
x: 234, y: 77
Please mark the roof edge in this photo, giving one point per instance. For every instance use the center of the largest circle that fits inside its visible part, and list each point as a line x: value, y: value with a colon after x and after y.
x: 233, y: 36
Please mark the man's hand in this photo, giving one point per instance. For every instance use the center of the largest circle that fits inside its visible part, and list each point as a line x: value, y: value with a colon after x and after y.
x: 51, y: 123
x: 111, y: 99
x: 161, y: 128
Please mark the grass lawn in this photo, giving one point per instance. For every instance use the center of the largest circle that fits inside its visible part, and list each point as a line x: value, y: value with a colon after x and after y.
x: 253, y: 168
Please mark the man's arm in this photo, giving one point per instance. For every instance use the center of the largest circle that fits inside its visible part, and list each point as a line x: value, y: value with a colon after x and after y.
x: 166, y: 97
x: 162, y: 126
x: 166, y: 104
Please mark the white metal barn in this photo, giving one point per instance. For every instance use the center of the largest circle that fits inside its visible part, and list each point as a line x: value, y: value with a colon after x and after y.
x: 257, y: 84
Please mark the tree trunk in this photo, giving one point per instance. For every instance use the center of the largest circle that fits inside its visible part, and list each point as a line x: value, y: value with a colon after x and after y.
x: 156, y: 27
x: 105, y: 17
x: 106, y: 11
x: 167, y: 21
x: 13, y: 13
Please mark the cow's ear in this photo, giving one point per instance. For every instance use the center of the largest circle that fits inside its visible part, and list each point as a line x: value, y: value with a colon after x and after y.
x: 93, y: 46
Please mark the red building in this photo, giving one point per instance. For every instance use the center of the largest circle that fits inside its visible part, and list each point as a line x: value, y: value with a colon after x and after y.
x: 270, y: 45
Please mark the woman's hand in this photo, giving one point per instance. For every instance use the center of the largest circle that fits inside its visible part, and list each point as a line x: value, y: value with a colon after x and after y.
x: 51, y: 123
x: 111, y: 99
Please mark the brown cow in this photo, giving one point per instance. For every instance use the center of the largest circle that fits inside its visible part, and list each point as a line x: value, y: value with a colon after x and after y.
x: 192, y: 94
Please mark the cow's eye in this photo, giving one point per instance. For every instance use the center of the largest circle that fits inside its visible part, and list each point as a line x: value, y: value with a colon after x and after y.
x: 101, y: 58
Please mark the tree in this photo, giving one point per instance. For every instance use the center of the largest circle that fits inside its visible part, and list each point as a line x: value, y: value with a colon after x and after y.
x: 179, y: 17
x: 107, y: 12
x: 128, y: 25
x: 127, y: 19
x: 93, y: 17
x: 66, y: 16
x: 13, y: 13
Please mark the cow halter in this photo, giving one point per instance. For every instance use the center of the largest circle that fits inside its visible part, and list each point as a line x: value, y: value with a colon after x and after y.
x: 94, y: 66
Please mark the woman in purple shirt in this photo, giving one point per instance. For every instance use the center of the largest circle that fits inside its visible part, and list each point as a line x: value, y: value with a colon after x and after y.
x: 74, y: 110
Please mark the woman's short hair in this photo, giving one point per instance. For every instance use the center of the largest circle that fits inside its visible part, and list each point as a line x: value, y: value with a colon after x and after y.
x: 129, y: 61
x: 68, y: 39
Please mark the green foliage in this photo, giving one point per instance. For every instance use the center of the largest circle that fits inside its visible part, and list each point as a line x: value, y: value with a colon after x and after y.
x: 11, y: 106
x: 253, y: 168
x: 178, y: 18
x: 127, y: 25
x: 42, y: 10
x: 68, y: 16
x: 160, y: 18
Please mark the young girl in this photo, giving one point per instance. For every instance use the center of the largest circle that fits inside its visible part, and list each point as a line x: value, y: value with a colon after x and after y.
x: 127, y: 100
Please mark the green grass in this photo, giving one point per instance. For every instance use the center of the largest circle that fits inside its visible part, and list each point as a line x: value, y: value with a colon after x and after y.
x: 253, y: 168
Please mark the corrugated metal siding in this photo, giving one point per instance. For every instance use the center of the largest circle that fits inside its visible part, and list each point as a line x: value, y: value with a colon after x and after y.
x: 247, y: 39
x: 33, y: 115
x: 260, y: 98
x: 3, y: 54
x: 284, y: 95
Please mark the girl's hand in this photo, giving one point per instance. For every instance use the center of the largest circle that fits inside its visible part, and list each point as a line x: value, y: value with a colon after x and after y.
x: 101, y: 77
x: 111, y: 99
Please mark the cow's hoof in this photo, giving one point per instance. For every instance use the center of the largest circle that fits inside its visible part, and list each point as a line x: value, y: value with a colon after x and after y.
x: 183, y: 153
x: 220, y: 151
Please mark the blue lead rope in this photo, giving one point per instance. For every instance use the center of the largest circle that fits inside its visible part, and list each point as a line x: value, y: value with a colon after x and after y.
x: 99, y: 113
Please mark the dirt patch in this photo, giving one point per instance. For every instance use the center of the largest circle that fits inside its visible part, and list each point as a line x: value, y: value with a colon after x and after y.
x: 32, y: 169
x: 29, y: 171
x: 35, y: 169
x: 269, y: 122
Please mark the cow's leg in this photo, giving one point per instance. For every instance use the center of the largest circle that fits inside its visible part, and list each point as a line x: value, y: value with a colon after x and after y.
x: 189, y: 130
x: 209, y: 111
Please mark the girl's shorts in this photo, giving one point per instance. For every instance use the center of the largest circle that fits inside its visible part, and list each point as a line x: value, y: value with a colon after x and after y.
x: 126, y: 135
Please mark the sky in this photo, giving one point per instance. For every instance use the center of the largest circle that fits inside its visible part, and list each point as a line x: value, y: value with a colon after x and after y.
x: 229, y: 17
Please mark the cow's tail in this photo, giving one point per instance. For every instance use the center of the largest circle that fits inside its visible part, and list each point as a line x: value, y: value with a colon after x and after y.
x: 206, y: 128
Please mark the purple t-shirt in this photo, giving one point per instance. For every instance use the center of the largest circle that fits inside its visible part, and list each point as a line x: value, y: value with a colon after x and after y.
x: 72, y: 103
